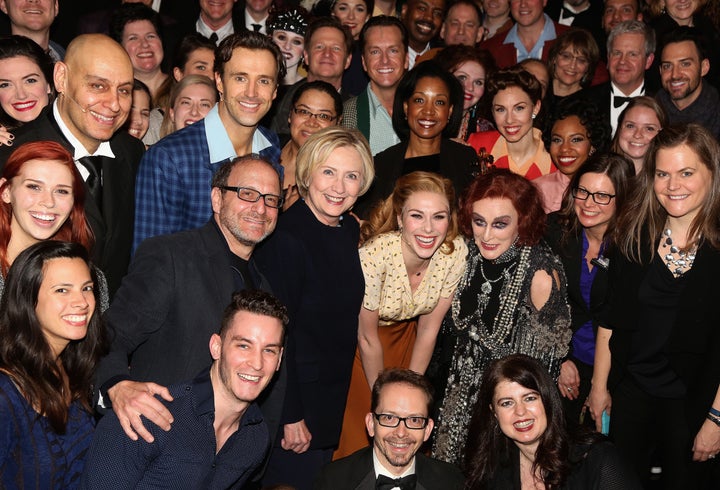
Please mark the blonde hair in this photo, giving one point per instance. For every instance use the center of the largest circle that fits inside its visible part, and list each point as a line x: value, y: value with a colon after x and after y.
x: 168, y: 125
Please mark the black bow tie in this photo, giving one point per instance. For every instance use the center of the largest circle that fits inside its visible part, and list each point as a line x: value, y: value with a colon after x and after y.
x: 619, y: 100
x: 566, y: 13
x: 405, y: 483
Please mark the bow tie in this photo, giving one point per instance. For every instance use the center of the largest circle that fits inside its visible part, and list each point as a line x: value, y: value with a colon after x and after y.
x: 619, y: 100
x: 566, y: 13
x: 405, y: 483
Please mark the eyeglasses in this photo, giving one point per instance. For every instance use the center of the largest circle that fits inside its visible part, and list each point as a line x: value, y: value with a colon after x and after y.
x: 251, y: 195
x: 306, y: 114
x: 601, y: 198
x: 568, y: 58
x: 389, y: 420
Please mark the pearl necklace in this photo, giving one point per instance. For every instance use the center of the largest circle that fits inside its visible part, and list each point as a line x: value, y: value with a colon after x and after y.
x: 684, y: 261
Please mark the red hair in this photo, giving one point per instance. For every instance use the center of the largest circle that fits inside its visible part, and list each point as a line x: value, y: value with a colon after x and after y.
x: 76, y: 228
x: 499, y: 184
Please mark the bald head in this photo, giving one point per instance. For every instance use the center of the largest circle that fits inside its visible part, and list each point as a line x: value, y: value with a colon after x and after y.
x: 94, y: 84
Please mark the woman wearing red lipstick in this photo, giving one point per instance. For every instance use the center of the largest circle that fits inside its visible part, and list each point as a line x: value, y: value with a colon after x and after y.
x: 412, y: 260
x: 287, y: 28
x: 515, y: 100
x: 25, y: 89
x: 520, y: 441
x: 575, y: 132
x: 657, y: 350
x: 580, y: 235
x: 511, y: 298
x: 51, y: 337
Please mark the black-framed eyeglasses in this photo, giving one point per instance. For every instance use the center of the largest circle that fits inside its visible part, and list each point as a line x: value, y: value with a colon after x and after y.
x: 251, y: 195
x: 389, y: 420
x: 602, y: 198
x: 304, y: 113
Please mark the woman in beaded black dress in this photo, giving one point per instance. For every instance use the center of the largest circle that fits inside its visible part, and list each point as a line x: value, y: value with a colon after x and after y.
x: 511, y: 299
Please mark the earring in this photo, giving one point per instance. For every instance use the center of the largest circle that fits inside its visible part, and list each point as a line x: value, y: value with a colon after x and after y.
x: 534, y: 115
x: 592, y: 151
x: 222, y: 96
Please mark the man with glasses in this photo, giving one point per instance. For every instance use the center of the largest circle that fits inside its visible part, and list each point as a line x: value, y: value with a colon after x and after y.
x: 173, y: 298
x: 398, y: 424
x: 172, y: 192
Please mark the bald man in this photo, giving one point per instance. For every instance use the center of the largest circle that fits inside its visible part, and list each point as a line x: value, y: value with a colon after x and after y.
x: 94, y: 86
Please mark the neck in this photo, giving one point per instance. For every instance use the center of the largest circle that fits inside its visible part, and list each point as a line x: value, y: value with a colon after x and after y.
x: 292, y: 75
x: 420, y: 147
x: 152, y: 79
x: 41, y: 38
x: 240, y: 249
x: 496, y: 21
x: 228, y: 410
x: 685, y: 102
x: 522, y: 150
x: 529, y: 35
x: 385, y: 95
x: 257, y: 16
x: 562, y: 90
x: 335, y: 81
x: 387, y: 7
x: 413, y: 264
x: 417, y: 46
x: 19, y: 241
x: 215, y: 25
x: 240, y: 136
x: 627, y: 89
x: 596, y: 234
x: 680, y: 229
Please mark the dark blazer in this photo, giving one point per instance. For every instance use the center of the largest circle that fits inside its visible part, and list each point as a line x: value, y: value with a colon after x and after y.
x: 693, y: 347
x: 356, y: 472
x: 590, y: 19
x: 113, y: 225
x: 601, y: 95
x: 458, y: 163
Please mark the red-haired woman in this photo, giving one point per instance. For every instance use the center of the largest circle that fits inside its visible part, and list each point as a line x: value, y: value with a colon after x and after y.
x: 511, y: 299
x: 42, y: 197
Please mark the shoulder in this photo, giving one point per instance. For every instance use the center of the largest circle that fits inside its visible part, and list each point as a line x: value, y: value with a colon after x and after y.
x: 392, y: 152
x: 451, y: 146
x: 177, y: 143
x: 127, y: 145
x: 183, y: 242
x: 483, y: 139
x: 433, y: 472
x: 350, y: 469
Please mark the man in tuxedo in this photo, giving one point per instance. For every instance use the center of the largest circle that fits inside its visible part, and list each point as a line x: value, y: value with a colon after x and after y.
x: 94, y: 86
x: 584, y: 14
x: 398, y: 424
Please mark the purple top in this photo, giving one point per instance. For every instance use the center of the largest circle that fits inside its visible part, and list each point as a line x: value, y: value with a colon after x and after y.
x: 583, y: 340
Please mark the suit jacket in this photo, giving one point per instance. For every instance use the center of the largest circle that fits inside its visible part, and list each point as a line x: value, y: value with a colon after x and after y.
x: 356, y: 472
x: 601, y: 94
x: 113, y: 225
x: 590, y: 19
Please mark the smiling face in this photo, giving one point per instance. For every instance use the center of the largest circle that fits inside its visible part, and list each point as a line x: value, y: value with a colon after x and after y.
x: 681, y: 72
x: 462, y: 26
x: 30, y: 16
x: 291, y: 45
x: 424, y: 224
x: 384, y: 58
x: 570, y: 67
x: 513, y: 111
x: 569, y: 145
x: 422, y: 18
x: 335, y: 184
x: 471, y: 76
x: 428, y: 108
x: 41, y: 197
x: 637, y: 130
x: 326, y: 55
x: 395, y: 447
x: 246, y: 357
x: 627, y: 61
x: 199, y: 62
x: 142, y: 43
x: 682, y: 182
x: 24, y: 91
x: 527, y: 12
x: 495, y: 225
x: 520, y: 413
x: 681, y: 11
x: 216, y: 13
x: 353, y: 14
x: 192, y: 104
x: 617, y: 11
x: 139, y: 120
x: 496, y: 8
x: 249, y: 84
x: 316, y: 102
x: 591, y: 215
x: 65, y: 302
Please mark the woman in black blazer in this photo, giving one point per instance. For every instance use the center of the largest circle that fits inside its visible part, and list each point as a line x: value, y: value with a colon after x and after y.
x: 579, y: 235
x: 658, y: 350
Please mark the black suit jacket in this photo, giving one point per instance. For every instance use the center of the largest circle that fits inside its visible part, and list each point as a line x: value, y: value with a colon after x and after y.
x: 590, y: 19
x: 356, y: 472
x: 601, y: 95
x: 113, y: 224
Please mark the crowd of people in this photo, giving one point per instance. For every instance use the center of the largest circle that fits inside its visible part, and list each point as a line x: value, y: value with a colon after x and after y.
x: 357, y: 244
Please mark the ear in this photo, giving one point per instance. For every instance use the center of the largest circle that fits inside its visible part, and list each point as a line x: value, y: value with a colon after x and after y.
x: 405, y: 106
x: 364, y: 65
x: 219, y: 84
x: 442, y: 31
x: 399, y: 221
x: 216, y: 200
x: 171, y: 114
x: 215, y: 346
x: 428, y: 429
x: 60, y: 77
x: 282, y: 350
x: 704, y: 67
x: 348, y: 60
x: 650, y: 59
x: 480, y: 34
x: 3, y: 7
x: 5, y: 192
x: 370, y: 424
x: 407, y: 61
x: 57, y: 8
x: 177, y: 74
x: 536, y: 107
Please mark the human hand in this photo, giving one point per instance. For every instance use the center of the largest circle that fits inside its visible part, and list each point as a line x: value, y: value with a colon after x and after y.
x: 599, y: 400
x: 707, y: 442
x: 297, y: 437
x: 6, y: 137
x: 131, y: 399
x: 569, y: 380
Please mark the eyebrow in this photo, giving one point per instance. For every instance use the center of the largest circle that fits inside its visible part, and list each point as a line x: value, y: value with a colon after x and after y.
x: 313, y: 109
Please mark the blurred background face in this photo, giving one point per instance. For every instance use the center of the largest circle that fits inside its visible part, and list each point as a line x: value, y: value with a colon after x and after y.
x: 353, y: 14
x: 291, y: 45
x: 495, y: 225
x: 471, y: 76
x: 617, y: 11
x: 540, y: 72
x: 569, y: 145
x: 571, y: 66
x: 192, y: 104
x: 303, y: 124
x: 24, y: 92
x: 462, y: 26
x: 142, y: 43
x: 428, y: 108
x: 496, y: 8
x: 139, y: 118
x: 512, y: 110
x: 637, y: 130
x: 681, y: 10
x: 590, y: 214
x: 200, y: 62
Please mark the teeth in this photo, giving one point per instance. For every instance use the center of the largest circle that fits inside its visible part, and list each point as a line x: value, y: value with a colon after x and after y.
x: 677, y: 198
x: 337, y: 200
x: 75, y: 318
x: 522, y: 425
x: 43, y: 217
x: 24, y: 105
x: 108, y: 119
x: 250, y: 105
x: 425, y: 240
x: 248, y: 377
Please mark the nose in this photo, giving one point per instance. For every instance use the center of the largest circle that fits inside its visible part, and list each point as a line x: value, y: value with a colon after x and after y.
x: 194, y: 109
x: 255, y: 359
x: 673, y: 182
x: 259, y: 206
x: 112, y: 100
x: 401, y: 429
x: 351, y: 15
x: 79, y: 299
x: 312, y: 121
x: 487, y: 233
x: 427, y: 225
x: 20, y: 91
x: 676, y: 71
x: 144, y: 41
x: 520, y: 409
x: 48, y: 199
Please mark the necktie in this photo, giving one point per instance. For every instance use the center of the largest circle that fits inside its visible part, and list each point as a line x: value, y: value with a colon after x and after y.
x: 619, y: 100
x: 213, y: 38
x: 257, y: 27
x: 93, y: 164
x: 386, y: 483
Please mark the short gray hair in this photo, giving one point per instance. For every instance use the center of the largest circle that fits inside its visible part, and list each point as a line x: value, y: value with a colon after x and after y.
x: 633, y: 27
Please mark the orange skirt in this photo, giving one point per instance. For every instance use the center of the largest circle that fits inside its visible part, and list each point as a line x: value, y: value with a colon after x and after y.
x: 398, y: 340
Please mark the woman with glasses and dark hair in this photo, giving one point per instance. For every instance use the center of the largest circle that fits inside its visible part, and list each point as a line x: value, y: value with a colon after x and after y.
x: 511, y: 298
x: 580, y: 236
x: 656, y: 372
x: 313, y: 266
x: 51, y: 337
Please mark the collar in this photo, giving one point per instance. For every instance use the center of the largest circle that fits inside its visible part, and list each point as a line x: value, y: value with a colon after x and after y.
x: 204, y: 29
x: 156, y: 5
x: 203, y: 399
x: 635, y: 93
x: 249, y: 21
x: 219, y: 144
x: 80, y: 151
x: 548, y: 33
x: 381, y: 470
x: 375, y: 104
x: 572, y: 9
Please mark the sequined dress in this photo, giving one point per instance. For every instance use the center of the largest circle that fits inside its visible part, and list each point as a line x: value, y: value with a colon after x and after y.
x: 491, y: 317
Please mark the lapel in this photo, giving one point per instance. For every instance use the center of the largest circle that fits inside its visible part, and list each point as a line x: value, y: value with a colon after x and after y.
x: 215, y: 251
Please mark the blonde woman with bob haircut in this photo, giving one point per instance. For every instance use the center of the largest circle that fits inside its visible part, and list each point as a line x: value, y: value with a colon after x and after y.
x: 412, y: 260
x: 313, y: 266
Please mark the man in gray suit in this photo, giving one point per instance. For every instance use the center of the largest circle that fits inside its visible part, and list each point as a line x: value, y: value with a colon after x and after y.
x: 398, y: 424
